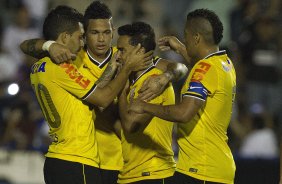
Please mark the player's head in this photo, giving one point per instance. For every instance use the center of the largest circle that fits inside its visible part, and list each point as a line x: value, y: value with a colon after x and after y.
x: 62, y: 24
x: 202, y: 26
x: 132, y: 34
x: 98, y: 27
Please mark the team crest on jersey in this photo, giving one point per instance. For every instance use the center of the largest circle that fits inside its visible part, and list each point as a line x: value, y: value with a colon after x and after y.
x: 38, y: 67
x: 225, y: 67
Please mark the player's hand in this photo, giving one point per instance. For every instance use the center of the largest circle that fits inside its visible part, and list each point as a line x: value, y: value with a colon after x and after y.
x: 60, y: 53
x: 136, y: 105
x: 114, y: 62
x: 126, y: 89
x: 170, y: 43
x: 153, y: 87
x: 136, y: 60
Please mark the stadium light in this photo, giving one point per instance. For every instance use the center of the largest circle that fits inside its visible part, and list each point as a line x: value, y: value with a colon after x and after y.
x: 13, y: 89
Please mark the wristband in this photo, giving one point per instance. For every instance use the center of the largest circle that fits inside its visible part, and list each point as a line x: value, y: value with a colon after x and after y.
x: 46, y: 45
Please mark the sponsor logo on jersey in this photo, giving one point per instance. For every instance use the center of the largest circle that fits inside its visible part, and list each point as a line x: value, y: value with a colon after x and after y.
x: 38, y: 67
x: 200, y: 71
x: 74, y: 74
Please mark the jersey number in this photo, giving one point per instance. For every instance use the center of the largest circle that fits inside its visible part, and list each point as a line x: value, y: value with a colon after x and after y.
x: 47, y: 106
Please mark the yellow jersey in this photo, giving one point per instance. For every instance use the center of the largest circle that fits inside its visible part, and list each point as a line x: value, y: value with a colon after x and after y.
x: 60, y: 90
x: 148, y: 153
x: 204, y: 153
x: 109, y: 144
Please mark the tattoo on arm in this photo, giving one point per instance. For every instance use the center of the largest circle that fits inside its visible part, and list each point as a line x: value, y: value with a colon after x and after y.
x: 31, y: 50
x: 176, y: 71
x: 31, y: 46
x: 173, y: 72
x: 172, y: 75
x: 107, y: 75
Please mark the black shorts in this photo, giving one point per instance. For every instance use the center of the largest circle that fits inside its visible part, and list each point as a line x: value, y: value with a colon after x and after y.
x: 168, y: 180
x: 58, y: 171
x: 180, y: 178
x: 109, y: 176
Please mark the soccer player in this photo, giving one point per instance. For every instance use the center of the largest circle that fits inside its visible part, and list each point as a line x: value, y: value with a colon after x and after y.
x: 96, y: 57
x: 99, y: 33
x: 204, y: 113
x: 146, y: 140
x: 63, y: 93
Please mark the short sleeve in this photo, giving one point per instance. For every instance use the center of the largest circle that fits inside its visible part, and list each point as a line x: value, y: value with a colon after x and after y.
x: 75, y: 82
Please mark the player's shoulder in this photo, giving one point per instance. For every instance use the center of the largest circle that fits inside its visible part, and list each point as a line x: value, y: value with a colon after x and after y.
x: 152, y: 71
x: 46, y: 61
x: 43, y: 65
x: 203, y: 64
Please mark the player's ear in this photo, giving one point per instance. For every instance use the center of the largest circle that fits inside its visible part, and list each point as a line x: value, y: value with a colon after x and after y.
x: 197, y: 38
x: 64, y: 37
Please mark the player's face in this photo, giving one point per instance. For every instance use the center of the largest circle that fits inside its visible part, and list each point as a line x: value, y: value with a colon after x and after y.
x: 99, y: 35
x: 124, y: 47
x: 75, y: 41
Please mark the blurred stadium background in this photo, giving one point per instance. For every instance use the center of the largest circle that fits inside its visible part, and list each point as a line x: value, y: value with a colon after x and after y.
x: 252, y: 38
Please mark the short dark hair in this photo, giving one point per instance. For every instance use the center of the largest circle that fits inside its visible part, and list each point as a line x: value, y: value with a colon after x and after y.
x: 140, y: 32
x: 212, y: 18
x: 96, y: 10
x: 59, y: 20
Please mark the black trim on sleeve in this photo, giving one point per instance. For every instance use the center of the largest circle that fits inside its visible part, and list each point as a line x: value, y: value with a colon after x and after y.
x: 194, y: 95
x: 89, y: 92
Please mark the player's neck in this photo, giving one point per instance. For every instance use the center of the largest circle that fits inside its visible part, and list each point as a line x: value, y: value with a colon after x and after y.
x: 138, y: 73
x: 207, y: 51
x: 98, y: 57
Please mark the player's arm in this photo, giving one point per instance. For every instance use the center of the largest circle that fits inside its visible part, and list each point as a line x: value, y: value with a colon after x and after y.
x: 111, y: 115
x: 155, y: 85
x: 180, y: 113
x: 103, y: 96
x: 172, y: 43
x: 109, y: 72
x: 130, y: 121
x: 172, y: 71
x: 40, y: 48
x: 33, y: 47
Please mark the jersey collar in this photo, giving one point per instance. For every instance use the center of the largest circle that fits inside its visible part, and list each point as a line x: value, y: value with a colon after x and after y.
x: 218, y: 53
x: 104, y: 62
x: 154, y: 63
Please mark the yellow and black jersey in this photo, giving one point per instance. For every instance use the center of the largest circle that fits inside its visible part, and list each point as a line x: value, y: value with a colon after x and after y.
x: 87, y: 61
x: 60, y: 90
x: 109, y: 145
x: 204, y: 153
x: 148, y: 153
